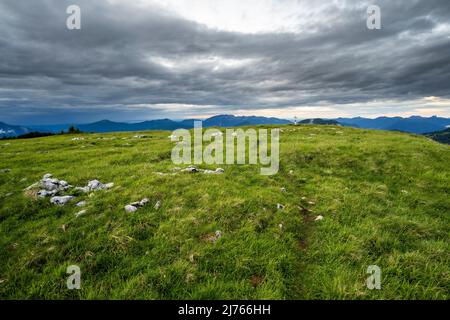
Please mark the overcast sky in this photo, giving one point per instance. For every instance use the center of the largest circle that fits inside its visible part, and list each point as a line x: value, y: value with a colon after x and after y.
x: 147, y: 59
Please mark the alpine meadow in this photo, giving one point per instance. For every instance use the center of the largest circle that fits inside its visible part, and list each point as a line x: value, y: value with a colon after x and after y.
x: 383, y: 198
x: 224, y: 159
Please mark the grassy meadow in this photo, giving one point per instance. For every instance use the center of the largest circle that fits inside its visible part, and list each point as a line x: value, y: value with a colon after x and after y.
x: 384, y: 197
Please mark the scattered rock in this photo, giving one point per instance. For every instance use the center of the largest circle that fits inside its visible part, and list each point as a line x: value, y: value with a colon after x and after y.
x: 61, y: 200
x: 63, y: 183
x: 318, y: 218
x: 194, y: 169
x: 45, y: 193
x: 280, y: 206
x: 8, y: 194
x: 5, y: 170
x: 291, y: 172
x: 132, y: 207
x: 80, y: 213
x: 283, y: 189
x: 217, y: 171
x: 94, y: 185
x: 81, y: 204
x: 191, y: 169
x: 157, y: 205
x: 129, y: 208
x: 77, y: 139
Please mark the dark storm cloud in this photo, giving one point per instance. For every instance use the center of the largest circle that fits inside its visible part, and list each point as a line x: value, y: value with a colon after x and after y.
x: 125, y: 56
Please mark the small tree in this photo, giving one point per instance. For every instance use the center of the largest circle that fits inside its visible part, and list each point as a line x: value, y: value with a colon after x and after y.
x: 73, y: 130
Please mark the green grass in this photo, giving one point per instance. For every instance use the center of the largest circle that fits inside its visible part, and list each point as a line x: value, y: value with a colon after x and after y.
x: 384, y: 197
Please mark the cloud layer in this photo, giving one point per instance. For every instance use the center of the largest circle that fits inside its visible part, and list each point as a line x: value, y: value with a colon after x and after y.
x: 197, y: 58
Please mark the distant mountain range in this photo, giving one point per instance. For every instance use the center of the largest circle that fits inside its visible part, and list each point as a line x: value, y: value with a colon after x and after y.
x: 415, y: 124
x: 7, y: 130
x: 161, y: 124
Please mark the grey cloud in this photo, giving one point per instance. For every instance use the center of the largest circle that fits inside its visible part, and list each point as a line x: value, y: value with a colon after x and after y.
x: 46, y: 69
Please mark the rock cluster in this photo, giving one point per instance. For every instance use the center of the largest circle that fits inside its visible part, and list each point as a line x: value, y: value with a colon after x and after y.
x: 50, y: 186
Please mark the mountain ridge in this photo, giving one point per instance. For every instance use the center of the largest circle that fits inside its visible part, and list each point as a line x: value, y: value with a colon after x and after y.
x: 413, y: 124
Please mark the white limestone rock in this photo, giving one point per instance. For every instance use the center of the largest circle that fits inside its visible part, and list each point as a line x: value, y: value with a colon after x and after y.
x: 129, y: 208
x: 61, y: 200
x: 81, y: 204
x: 191, y: 169
x: 80, y: 213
